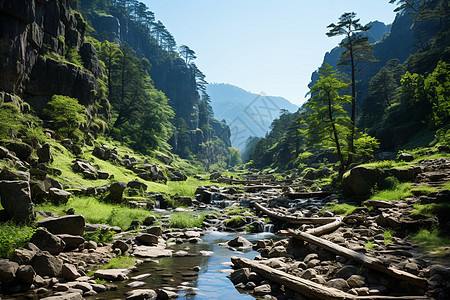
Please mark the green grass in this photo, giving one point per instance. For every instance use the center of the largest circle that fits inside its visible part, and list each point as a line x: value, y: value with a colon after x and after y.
x: 388, y: 237
x: 99, y: 236
x: 13, y: 236
x: 423, y: 190
x: 343, y: 209
x: 398, y: 192
x: 99, y: 212
x: 235, y: 211
x: 118, y: 262
x: 431, y: 209
x: 187, y: 219
x: 235, y: 221
x: 430, y: 241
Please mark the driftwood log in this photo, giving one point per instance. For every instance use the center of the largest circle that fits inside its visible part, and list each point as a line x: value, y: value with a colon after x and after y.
x: 370, y: 262
x: 292, y: 219
x: 306, y: 287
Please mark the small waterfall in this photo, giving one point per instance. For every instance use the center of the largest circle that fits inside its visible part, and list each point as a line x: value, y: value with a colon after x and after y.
x: 268, y: 228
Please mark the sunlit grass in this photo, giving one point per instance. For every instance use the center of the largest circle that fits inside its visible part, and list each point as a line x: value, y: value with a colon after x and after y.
x: 342, y: 209
x: 187, y: 219
x: 398, y: 192
x: 430, y: 241
x: 431, y: 209
x: 13, y: 236
x: 95, y: 211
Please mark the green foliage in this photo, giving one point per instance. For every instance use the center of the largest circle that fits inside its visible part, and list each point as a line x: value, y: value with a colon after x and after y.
x: 13, y: 236
x: 67, y: 114
x: 73, y: 56
x: 119, y: 262
x: 187, y: 219
x: 388, y: 237
x: 432, y: 209
x: 342, y: 209
x: 234, y: 157
x: 235, y: 221
x: 430, y: 241
x: 398, y: 191
x: 10, y: 121
x: 100, y: 236
x: 365, y: 146
x: 369, y: 246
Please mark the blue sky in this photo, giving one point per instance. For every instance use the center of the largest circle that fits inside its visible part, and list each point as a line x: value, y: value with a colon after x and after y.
x: 262, y: 45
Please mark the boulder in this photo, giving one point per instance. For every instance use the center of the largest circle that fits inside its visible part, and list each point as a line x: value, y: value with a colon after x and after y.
x: 146, y: 294
x: 69, y: 296
x: 80, y: 167
x: 262, y: 290
x: 136, y: 184
x: 347, y: 271
x: 149, y: 220
x: 44, y: 154
x: 16, y: 200
x: 72, y: 241
x: 120, y: 245
x: 360, y: 180
x: 46, y: 241
x: 177, y: 176
x: 58, y: 196
x: 69, y: 272
x: 111, y: 274
x: 22, y: 150
x: 25, y: 274
x: 147, y: 239
x: 338, y: 283
x: 11, y: 175
x: 156, y: 230
x: 23, y: 256
x: 73, y: 224
x: 8, y: 270
x: 46, y: 264
x: 240, y: 242
x: 240, y: 276
x: 215, y: 176
x: 405, y: 157
x: 102, y: 174
x: 116, y: 191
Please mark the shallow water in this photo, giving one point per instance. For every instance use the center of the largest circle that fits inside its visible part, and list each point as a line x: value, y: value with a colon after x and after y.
x: 177, y: 272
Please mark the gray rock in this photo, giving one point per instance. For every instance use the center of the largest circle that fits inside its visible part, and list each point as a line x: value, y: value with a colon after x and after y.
x: 111, y: 274
x: 136, y: 184
x: 120, y: 245
x: 309, y: 274
x: 240, y: 276
x: 16, y: 200
x: 69, y: 272
x: 11, y: 175
x: 147, y: 239
x: 25, y: 274
x: 102, y: 174
x: 146, y: 294
x: 405, y: 157
x: 347, y: 271
x: 23, y: 256
x: 177, y: 176
x: 73, y: 224
x: 72, y: 241
x: 135, y: 284
x: 58, y: 196
x: 262, y: 290
x: 44, y: 154
x: 90, y: 245
x: 355, y: 281
x: 149, y: 220
x: 240, y: 242
x: 166, y: 294
x: 338, y: 283
x: 69, y: 296
x: 116, y: 190
x: 155, y: 230
x: 22, y: 150
x: 47, y: 241
x: 8, y: 270
x: 46, y: 264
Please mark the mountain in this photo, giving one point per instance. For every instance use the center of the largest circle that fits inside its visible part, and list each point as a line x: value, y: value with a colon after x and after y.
x: 247, y: 114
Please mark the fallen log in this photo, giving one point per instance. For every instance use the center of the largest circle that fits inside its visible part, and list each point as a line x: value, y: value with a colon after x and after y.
x: 326, y: 228
x: 292, y: 219
x: 370, y: 262
x: 306, y: 287
x: 297, y: 284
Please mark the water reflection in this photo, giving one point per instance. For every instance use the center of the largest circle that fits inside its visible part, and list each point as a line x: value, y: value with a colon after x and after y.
x: 177, y: 273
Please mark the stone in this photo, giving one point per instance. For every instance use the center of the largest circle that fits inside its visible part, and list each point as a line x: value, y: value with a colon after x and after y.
x: 136, y: 184
x: 240, y: 242
x: 44, y: 154
x: 262, y: 290
x: 151, y: 252
x: 240, y: 276
x: 120, y: 245
x: 147, y: 239
x: 72, y: 241
x: 135, y: 284
x: 309, y: 274
x: 310, y: 257
x: 116, y: 191
x: 46, y: 264
x: 278, y: 251
x: 155, y: 230
x: 338, y: 283
x: 16, y: 200
x: 11, y: 175
x: 69, y: 296
x: 166, y: 294
x: 102, y: 174
x: 80, y: 167
x: 25, y: 274
x: 142, y: 294
x: 23, y: 256
x: 47, y: 241
x: 177, y: 176
x: 111, y: 274
x: 405, y: 157
x: 8, y: 270
x: 58, y: 196
x: 346, y: 271
x: 215, y: 176
x: 90, y: 245
x: 355, y: 281
x: 360, y: 180
x: 69, y: 272
x: 149, y: 220
x: 73, y: 224
x: 141, y: 277
x: 362, y: 291
x: 22, y: 150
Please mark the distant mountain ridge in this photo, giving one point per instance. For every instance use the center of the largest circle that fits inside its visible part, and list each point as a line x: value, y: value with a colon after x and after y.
x: 247, y: 114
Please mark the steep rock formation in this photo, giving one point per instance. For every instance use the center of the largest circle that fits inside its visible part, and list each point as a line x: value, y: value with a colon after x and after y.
x: 34, y: 35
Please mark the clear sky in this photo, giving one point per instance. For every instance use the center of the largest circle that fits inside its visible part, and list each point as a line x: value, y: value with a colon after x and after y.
x: 269, y: 46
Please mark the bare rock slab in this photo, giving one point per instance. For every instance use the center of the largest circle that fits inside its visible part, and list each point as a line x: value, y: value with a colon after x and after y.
x: 73, y: 224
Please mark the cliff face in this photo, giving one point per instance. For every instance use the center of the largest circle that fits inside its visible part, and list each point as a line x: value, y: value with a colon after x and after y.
x: 31, y: 30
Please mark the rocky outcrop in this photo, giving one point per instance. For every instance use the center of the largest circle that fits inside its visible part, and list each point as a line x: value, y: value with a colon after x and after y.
x: 31, y: 29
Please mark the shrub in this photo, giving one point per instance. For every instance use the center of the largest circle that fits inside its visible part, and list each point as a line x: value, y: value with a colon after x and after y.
x: 430, y: 241
x: 67, y: 113
x: 100, y: 236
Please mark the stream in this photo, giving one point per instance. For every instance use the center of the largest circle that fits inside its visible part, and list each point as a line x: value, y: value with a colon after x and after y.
x: 177, y: 272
